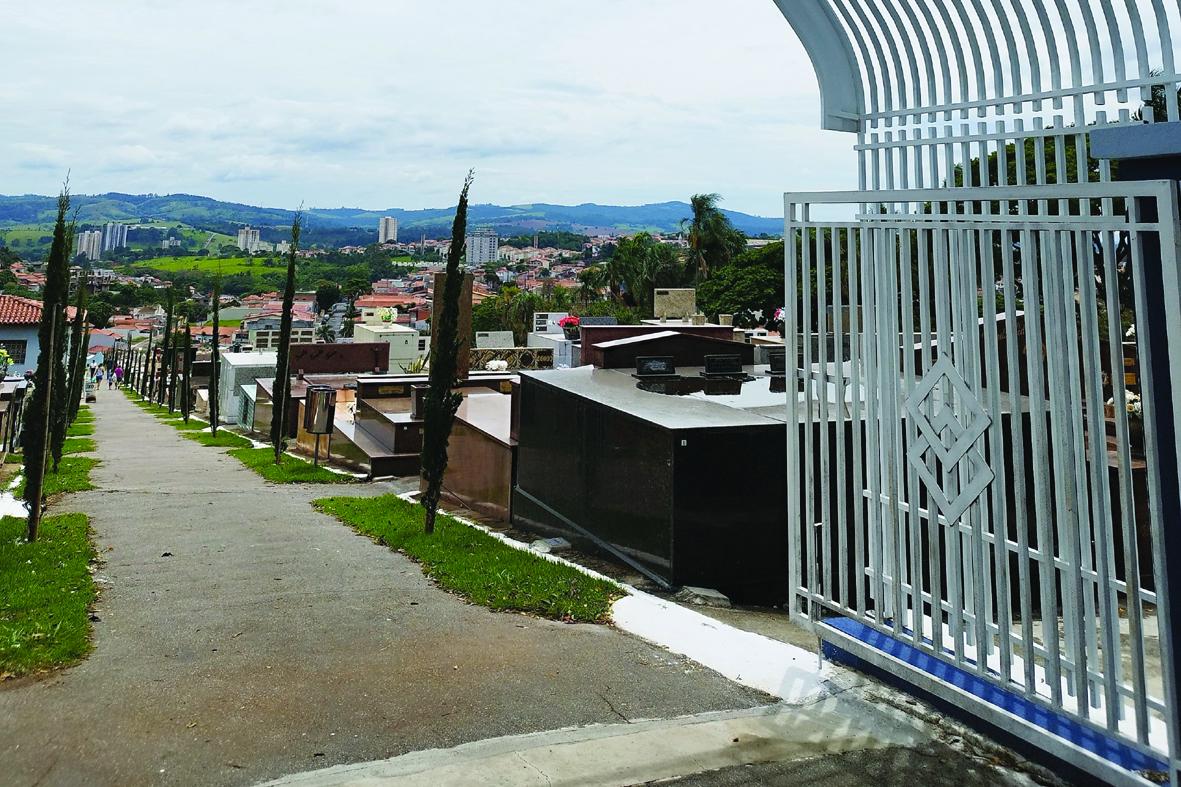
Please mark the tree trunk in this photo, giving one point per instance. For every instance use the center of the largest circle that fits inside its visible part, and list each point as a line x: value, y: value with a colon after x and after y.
x: 283, y: 356
x: 186, y: 394
x: 215, y: 360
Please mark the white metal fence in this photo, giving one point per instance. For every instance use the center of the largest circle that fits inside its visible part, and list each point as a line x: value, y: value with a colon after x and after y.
x: 980, y: 467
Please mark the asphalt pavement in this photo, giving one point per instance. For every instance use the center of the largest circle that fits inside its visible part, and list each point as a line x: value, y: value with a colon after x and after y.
x: 242, y: 636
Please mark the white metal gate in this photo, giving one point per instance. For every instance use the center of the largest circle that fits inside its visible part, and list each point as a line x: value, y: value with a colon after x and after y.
x: 980, y: 469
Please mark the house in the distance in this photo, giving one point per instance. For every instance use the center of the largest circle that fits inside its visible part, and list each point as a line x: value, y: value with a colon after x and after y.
x: 19, y: 318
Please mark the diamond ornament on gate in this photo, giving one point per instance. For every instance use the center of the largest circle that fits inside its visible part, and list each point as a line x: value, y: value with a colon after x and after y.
x: 951, y: 434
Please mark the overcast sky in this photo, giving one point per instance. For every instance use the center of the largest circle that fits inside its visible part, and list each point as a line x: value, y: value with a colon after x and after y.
x: 386, y: 103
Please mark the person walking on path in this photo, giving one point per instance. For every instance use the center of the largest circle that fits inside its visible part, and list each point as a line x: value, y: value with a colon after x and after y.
x: 116, y: 378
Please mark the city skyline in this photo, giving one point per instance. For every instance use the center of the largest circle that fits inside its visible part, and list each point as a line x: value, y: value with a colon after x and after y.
x: 612, y: 104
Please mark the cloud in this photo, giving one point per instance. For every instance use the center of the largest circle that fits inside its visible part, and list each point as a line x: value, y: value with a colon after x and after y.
x: 32, y: 156
x: 366, y: 104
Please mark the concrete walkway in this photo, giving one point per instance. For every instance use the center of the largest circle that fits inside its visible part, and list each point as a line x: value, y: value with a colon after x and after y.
x: 243, y: 637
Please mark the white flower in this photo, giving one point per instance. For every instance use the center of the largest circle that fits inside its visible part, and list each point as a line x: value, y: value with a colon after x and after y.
x: 496, y: 366
x: 1131, y: 334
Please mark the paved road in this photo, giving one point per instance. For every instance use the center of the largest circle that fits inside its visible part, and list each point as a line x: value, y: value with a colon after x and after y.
x: 273, y: 640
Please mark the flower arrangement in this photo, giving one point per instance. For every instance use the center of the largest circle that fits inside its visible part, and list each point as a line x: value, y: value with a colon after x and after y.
x: 496, y: 366
x: 387, y: 315
x: 5, y: 361
x: 571, y: 321
x: 1132, y: 404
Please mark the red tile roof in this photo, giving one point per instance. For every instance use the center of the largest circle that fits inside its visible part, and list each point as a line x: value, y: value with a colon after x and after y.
x: 15, y: 310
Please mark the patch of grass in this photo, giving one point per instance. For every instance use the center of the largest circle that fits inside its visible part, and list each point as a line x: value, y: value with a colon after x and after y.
x: 179, y: 424
x: 45, y: 592
x: 291, y: 471
x: 78, y: 445
x: 73, y: 475
x: 85, y: 416
x: 80, y: 430
x: 223, y: 439
x: 475, y: 565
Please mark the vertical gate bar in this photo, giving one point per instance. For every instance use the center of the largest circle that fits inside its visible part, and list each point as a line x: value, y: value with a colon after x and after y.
x: 1060, y: 440
x: 1073, y: 280
x: 1018, y: 406
x: 914, y: 518
x: 1070, y: 525
x: 1168, y: 229
x: 810, y: 567
x: 1000, y: 521
x: 981, y: 595
x: 898, y: 523
x: 1128, y: 518
x: 823, y: 522
x: 791, y: 330
x: 1101, y: 510
x: 856, y: 346
x: 841, y: 483
x: 948, y: 335
x: 873, y: 385
x: 1036, y: 355
x: 934, y: 529
x: 955, y: 475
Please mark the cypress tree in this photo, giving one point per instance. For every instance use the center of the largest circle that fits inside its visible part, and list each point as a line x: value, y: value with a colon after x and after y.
x: 186, y: 392
x: 282, y: 361
x: 166, y: 339
x: 59, y: 397
x: 215, y: 359
x: 77, y: 354
x: 145, y: 386
x: 441, y: 400
x: 39, y: 409
x: 173, y: 371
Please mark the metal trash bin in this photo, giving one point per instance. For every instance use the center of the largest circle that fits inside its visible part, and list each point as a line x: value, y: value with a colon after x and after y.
x: 319, y: 411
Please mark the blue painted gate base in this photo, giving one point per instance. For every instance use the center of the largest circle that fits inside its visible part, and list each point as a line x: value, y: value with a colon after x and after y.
x: 1055, y: 723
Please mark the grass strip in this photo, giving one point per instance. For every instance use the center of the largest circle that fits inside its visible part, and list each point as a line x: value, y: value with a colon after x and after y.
x: 45, y: 592
x: 73, y: 475
x: 192, y: 426
x: 78, y: 445
x: 473, y: 564
x: 291, y: 471
x: 222, y: 439
x: 80, y: 430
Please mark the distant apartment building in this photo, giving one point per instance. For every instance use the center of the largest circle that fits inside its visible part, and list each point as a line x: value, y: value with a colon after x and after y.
x: 96, y: 278
x: 169, y: 243
x: 248, y: 239
x: 263, y: 332
x: 114, y: 236
x: 483, y: 247
x: 387, y: 230
x: 90, y: 243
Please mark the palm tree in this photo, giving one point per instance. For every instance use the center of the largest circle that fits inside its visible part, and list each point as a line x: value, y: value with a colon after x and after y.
x: 711, y: 236
x: 591, y: 282
x: 325, y: 333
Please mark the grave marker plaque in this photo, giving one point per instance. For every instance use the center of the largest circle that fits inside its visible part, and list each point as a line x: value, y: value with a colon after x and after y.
x: 655, y: 366
x: 723, y: 364
x: 778, y: 360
